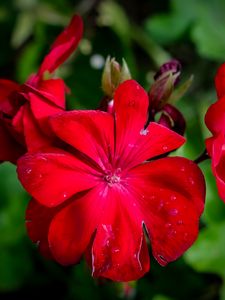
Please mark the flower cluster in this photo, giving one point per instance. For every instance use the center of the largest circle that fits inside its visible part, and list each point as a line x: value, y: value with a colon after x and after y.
x: 102, y: 182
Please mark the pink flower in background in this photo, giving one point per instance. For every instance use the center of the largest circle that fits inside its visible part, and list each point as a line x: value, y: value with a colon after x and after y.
x: 101, y: 195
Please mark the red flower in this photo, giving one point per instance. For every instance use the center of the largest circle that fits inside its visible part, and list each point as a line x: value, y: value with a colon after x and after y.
x: 101, y: 197
x: 25, y: 109
x: 215, y: 121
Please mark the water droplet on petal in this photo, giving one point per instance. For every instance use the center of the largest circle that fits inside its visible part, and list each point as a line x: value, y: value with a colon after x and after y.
x: 144, y: 131
x: 172, y: 233
x: 43, y: 158
x: 161, y: 204
x: 115, y: 250
x: 180, y: 222
x: 165, y: 148
x: 173, y: 212
x: 168, y: 225
x: 64, y: 195
x: 173, y: 197
x: 131, y: 103
x: 182, y: 169
x: 191, y: 181
x: 40, y: 175
x: 28, y: 171
x: 185, y: 236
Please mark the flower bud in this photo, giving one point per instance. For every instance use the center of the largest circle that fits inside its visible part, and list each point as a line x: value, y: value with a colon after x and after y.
x: 113, y: 75
x: 165, y: 80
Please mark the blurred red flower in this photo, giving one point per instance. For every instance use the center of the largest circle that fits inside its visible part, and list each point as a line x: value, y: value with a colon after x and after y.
x: 215, y: 121
x: 24, y: 109
x: 101, y: 196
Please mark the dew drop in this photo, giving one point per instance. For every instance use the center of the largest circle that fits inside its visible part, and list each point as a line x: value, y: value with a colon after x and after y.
x: 28, y: 171
x: 40, y: 175
x: 173, y: 212
x: 172, y: 233
x: 144, y: 131
x: 64, y: 195
x: 161, y: 204
x: 180, y: 222
x: 191, y: 181
x: 116, y: 250
x: 168, y: 225
x: 165, y: 148
x: 182, y: 169
x: 185, y: 236
x: 43, y: 158
x: 173, y: 197
x: 131, y: 103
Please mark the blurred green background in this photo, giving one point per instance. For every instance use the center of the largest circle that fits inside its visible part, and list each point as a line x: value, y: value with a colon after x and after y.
x: 146, y: 34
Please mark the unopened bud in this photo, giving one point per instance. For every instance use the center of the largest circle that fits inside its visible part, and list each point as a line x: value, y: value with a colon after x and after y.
x: 113, y: 75
x: 165, y: 80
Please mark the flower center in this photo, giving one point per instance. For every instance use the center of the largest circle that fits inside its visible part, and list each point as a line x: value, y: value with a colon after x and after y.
x: 113, y: 177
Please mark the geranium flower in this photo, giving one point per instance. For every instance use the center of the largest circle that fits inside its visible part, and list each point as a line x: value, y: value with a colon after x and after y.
x: 101, y: 196
x: 25, y: 108
x: 215, y: 121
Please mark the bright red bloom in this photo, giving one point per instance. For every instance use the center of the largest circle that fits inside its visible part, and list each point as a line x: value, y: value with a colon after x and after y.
x: 25, y: 109
x: 215, y: 121
x: 100, y: 197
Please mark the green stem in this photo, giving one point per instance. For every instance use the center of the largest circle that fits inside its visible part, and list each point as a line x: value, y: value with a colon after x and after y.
x: 202, y: 157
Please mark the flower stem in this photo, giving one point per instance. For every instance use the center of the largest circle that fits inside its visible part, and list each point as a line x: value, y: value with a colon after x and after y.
x: 202, y: 157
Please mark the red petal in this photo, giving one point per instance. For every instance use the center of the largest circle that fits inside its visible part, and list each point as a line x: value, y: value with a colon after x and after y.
x: 53, y: 177
x: 131, y: 107
x: 52, y: 90
x: 215, y: 117
x: 41, y: 110
x: 63, y: 46
x: 38, y: 219
x: 171, y: 194
x: 17, y: 121
x: 218, y: 171
x: 119, y: 249
x: 155, y: 140
x: 91, y: 132
x: 34, y: 137
x: 10, y: 149
x: 72, y: 228
x: 220, y: 81
x: 218, y: 162
x: 6, y: 88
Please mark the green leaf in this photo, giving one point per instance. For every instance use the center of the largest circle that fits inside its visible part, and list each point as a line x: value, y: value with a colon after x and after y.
x: 16, y: 265
x: 207, y: 254
x: 205, y: 20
